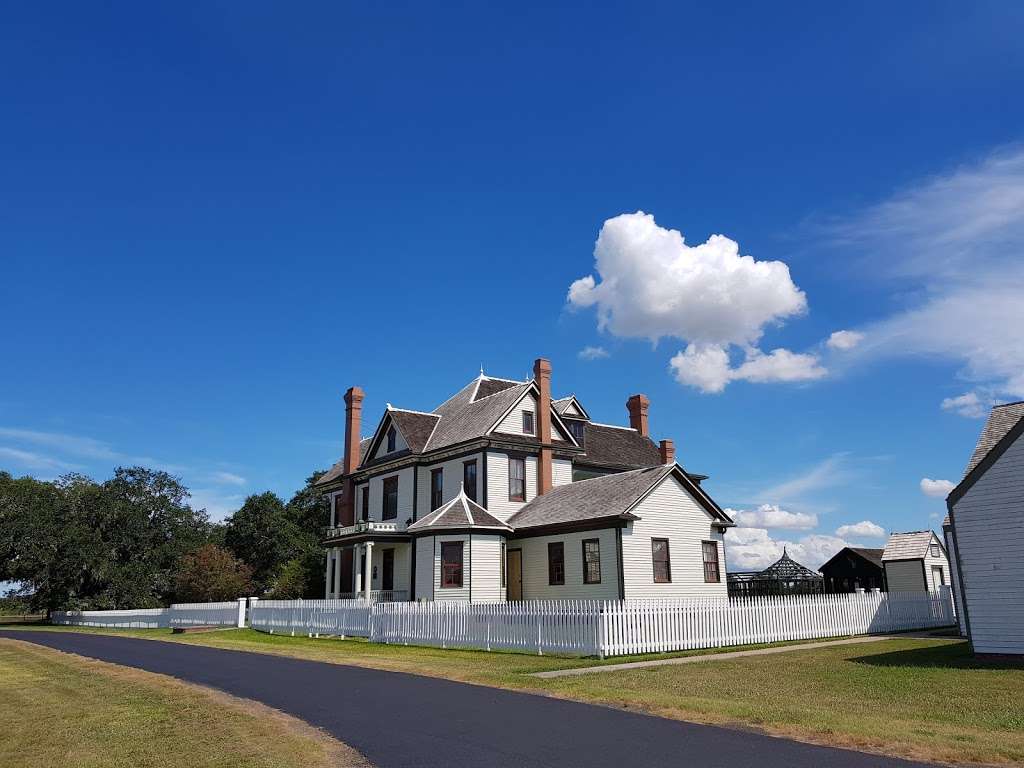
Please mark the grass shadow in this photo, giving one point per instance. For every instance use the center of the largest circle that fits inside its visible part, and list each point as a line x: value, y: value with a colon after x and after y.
x: 949, y: 656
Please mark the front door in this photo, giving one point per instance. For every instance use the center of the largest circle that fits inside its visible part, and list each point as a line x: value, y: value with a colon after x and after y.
x: 514, y: 573
x: 388, y: 568
x: 938, y: 579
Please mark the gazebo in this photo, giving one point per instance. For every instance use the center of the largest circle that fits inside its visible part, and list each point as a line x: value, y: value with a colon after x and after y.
x: 783, y: 577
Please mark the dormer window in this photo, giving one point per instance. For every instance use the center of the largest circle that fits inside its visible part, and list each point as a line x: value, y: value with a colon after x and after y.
x: 528, y: 428
x: 392, y: 438
x: 576, y: 428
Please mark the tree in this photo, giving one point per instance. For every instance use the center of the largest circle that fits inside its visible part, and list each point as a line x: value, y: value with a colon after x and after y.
x: 263, y: 535
x: 211, y: 574
x: 76, y: 544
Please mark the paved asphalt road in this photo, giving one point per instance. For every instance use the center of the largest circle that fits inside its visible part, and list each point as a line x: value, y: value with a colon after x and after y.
x: 400, y: 720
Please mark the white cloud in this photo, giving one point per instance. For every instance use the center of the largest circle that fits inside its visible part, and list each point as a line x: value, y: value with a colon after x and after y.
x: 84, y: 447
x: 753, y: 549
x: 961, y: 237
x: 970, y: 404
x: 708, y: 369
x: 864, y: 529
x: 772, y: 516
x: 653, y: 285
x: 218, y: 505
x: 227, y: 478
x: 844, y: 340
x: 592, y: 353
x: 827, y: 473
x: 938, y: 489
x: 35, y: 461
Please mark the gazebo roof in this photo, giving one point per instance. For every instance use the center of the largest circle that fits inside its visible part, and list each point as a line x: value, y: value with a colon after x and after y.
x: 787, y: 569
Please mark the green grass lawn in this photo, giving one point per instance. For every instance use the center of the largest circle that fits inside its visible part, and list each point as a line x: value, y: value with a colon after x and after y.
x: 63, y: 710
x: 921, y: 698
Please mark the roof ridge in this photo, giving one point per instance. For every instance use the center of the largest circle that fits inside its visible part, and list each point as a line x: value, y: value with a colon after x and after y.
x: 1004, y: 405
x: 410, y: 410
x: 613, y: 426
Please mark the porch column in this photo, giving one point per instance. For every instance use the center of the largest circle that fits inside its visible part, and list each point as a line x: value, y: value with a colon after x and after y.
x: 327, y: 574
x: 337, y: 571
x: 368, y: 569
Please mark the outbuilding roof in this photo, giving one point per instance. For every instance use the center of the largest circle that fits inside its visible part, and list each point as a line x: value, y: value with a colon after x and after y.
x: 1001, y: 420
x: 912, y: 545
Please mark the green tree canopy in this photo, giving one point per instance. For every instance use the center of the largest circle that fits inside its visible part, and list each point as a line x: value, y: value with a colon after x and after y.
x: 263, y: 535
x: 211, y: 574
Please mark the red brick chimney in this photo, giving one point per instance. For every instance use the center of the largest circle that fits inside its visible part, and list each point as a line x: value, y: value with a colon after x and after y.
x: 637, y: 406
x: 668, y: 452
x: 353, y: 430
x: 542, y: 375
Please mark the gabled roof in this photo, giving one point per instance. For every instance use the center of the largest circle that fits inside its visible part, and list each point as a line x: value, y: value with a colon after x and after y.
x: 1001, y: 420
x: 458, y: 514
x: 608, y: 496
x: 415, y: 427
x: 1005, y: 424
x: 464, y: 418
x: 617, y: 447
x: 909, y: 546
x: 873, y: 556
x: 563, y: 404
x: 338, y: 468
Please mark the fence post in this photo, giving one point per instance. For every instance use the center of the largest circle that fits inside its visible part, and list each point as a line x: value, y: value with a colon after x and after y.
x: 241, y: 613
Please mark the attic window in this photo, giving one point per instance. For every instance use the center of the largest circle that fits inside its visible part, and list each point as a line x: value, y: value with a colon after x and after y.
x: 392, y: 435
x: 933, y: 550
x: 576, y: 427
x: 528, y: 428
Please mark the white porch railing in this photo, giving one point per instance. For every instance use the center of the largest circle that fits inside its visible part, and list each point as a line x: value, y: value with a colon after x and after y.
x: 376, y: 595
x: 364, y: 526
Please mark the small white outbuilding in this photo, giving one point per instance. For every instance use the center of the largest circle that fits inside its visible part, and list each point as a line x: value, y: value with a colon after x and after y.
x: 915, y: 562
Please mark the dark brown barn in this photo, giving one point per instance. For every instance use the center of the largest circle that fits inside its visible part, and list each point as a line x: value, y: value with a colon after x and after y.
x: 854, y: 567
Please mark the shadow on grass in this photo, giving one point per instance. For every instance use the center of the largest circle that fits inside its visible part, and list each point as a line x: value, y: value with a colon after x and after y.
x: 951, y: 656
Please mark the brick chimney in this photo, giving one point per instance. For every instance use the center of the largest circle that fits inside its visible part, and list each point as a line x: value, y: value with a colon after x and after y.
x: 637, y: 406
x: 353, y: 430
x: 542, y: 375
x: 668, y: 452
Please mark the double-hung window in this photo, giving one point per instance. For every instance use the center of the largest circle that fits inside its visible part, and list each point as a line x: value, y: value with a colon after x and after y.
x: 556, y: 563
x: 662, y: 561
x: 365, y: 503
x: 528, y: 426
x: 591, y: 561
x: 436, y: 487
x: 516, y: 479
x: 390, y: 498
x: 451, y: 564
x: 469, y: 478
x: 711, y: 572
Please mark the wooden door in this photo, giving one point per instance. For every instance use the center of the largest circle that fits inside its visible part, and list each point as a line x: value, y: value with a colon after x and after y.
x: 514, y: 574
x: 938, y: 578
x: 388, y: 568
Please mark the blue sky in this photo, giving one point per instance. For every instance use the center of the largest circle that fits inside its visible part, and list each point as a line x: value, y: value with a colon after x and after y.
x: 215, y: 217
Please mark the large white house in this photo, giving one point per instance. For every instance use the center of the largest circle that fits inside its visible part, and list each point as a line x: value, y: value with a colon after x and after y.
x: 985, y: 535
x: 501, y: 493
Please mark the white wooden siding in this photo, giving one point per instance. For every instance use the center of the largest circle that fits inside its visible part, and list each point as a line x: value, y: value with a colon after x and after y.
x: 989, y: 522
x: 425, y: 568
x: 955, y: 582
x: 561, y: 471
x: 452, y: 593
x: 405, y: 482
x: 670, y: 512
x: 400, y: 444
x: 512, y: 424
x: 572, y: 410
x: 904, y: 576
x: 498, y: 503
x: 402, y: 565
x: 486, y: 569
x: 936, y: 562
x: 535, y: 567
x: 451, y: 481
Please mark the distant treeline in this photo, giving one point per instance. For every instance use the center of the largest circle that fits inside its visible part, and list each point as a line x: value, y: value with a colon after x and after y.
x: 134, y: 541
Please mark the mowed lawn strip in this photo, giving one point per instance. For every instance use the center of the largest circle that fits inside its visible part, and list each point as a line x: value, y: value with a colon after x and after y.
x: 63, y: 710
x: 921, y: 698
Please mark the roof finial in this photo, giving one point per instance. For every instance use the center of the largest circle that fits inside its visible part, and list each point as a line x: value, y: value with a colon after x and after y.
x: 481, y: 370
x: 784, y: 551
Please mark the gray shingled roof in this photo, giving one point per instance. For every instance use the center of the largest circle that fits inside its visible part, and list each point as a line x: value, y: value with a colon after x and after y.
x: 598, y: 497
x: 874, y: 555
x: 338, y: 469
x: 488, y: 387
x: 605, y: 446
x: 460, y: 512
x: 1001, y: 420
x: 414, y: 426
x: 463, y: 418
x: 907, y: 546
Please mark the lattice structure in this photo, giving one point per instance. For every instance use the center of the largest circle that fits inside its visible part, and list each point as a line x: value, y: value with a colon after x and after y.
x: 783, y: 577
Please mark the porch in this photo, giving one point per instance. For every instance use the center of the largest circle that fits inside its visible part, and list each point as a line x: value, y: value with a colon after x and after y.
x: 376, y: 569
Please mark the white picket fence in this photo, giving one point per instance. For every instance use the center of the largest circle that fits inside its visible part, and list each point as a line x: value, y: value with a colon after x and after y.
x: 138, y: 618
x: 313, y: 617
x: 609, y: 628
x: 226, y: 614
